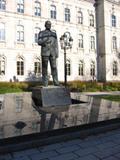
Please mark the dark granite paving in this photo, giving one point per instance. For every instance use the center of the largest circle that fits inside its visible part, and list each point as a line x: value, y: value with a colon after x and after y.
x: 99, y: 147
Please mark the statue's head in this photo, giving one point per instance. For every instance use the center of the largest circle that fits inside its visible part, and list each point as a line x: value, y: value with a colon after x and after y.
x: 48, y: 25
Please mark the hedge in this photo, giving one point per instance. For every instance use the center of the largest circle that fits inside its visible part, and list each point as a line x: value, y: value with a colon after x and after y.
x: 77, y: 86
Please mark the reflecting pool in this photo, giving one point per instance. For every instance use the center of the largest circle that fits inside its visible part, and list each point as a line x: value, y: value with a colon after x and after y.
x: 20, y: 116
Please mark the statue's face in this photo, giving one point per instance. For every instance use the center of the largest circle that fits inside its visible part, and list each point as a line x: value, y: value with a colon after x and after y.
x: 48, y: 25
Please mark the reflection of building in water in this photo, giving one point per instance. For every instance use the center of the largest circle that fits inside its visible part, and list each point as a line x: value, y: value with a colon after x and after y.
x: 1, y: 132
x: 1, y: 104
x: 18, y: 117
x: 17, y: 108
x: 100, y: 109
x: 63, y: 117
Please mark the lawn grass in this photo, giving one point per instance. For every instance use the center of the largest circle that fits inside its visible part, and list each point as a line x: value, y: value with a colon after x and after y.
x: 110, y: 97
x: 10, y: 90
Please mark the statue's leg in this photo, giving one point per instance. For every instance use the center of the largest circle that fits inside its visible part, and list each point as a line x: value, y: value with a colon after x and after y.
x: 54, y: 70
x: 44, y: 70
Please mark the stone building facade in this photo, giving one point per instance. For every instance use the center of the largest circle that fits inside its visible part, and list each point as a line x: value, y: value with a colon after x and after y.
x: 108, y: 39
x: 96, y: 41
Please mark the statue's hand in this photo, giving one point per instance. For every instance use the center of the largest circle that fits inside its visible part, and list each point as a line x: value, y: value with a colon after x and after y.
x: 43, y: 45
x: 48, y: 41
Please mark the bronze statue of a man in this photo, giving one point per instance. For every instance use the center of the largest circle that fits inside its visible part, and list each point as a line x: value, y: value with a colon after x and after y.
x: 47, y: 39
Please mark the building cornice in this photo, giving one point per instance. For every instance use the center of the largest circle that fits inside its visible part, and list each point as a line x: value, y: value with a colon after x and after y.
x: 91, y: 1
x: 114, y: 1
x: 117, y: 2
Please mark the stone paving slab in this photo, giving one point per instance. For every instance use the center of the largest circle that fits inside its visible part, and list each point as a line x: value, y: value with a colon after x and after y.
x: 88, y: 157
x: 22, y: 158
x: 103, y: 154
x: 50, y: 147
x: 118, y: 155
x: 68, y: 149
x: 98, y: 147
x: 5, y: 157
x: 86, y: 151
x: 111, y: 158
x: 43, y: 155
x: 26, y: 153
x: 68, y: 156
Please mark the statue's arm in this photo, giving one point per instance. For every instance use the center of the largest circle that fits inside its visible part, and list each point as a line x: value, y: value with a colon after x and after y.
x: 41, y: 40
x: 57, y: 50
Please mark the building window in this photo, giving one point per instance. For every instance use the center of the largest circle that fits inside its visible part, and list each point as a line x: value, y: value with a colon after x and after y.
x: 1, y: 105
x: 67, y: 14
x: 80, y: 41
x: 20, y: 66
x: 18, y: 132
x: 37, y: 66
x: 81, y: 68
x: 37, y: 30
x: 20, y: 33
x: 92, y: 69
x: 20, y: 6
x: 114, y: 42
x: 92, y: 42
x: 53, y: 12
x: 113, y: 17
x: 19, y: 103
x: 35, y: 126
x: 2, y: 32
x: 37, y: 8
x: 92, y: 20
x: 1, y: 132
x: 68, y: 67
x: 115, y: 68
x: 2, y: 4
x: 2, y: 66
x: 80, y: 17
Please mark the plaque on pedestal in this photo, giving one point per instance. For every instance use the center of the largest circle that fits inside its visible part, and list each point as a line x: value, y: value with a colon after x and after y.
x: 51, y: 96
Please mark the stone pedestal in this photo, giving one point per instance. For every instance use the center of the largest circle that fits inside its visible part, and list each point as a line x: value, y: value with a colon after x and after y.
x: 51, y: 96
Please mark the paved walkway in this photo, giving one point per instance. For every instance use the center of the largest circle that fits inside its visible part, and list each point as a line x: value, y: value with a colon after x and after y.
x: 100, y: 147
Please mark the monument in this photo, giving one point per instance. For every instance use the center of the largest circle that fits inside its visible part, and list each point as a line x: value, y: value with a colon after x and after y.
x: 56, y: 95
x: 47, y: 39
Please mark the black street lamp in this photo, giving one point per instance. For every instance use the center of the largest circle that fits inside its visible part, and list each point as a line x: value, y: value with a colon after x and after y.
x: 66, y: 42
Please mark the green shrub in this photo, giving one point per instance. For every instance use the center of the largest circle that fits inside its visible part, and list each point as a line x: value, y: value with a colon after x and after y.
x: 112, y: 86
x: 8, y: 87
x: 76, y: 86
x: 90, y: 86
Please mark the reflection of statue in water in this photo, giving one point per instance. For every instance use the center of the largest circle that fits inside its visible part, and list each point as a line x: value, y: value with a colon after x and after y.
x: 47, y: 39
